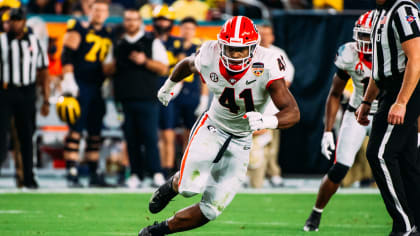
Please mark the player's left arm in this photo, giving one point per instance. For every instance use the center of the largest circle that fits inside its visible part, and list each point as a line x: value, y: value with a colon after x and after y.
x: 109, y: 64
x: 289, y: 113
x: 43, y: 78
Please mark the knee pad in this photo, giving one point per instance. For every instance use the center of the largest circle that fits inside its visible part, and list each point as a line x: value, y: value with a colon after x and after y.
x: 337, y: 172
x: 71, y: 141
x: 209, y: 210
x: 93, y: 144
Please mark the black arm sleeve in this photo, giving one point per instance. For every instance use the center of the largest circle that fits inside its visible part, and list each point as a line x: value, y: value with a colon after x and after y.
x: 342, y: 74
x: 68, y: 56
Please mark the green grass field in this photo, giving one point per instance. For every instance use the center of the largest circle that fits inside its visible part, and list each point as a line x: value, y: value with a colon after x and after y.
x: 248, y: 214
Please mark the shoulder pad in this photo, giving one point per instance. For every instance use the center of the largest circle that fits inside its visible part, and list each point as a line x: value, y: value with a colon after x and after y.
x: 207, y: 52
x: 71, y: 24
x: 346, y: 56
x: 273, y: 63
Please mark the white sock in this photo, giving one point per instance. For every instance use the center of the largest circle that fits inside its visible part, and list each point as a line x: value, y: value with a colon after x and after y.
x: 418, y: 140
x: 318, y: 210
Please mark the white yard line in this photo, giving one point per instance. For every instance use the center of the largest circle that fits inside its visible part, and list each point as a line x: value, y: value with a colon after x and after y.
x: 11, y: 212
x: 295, y: 225
x: 151, y: 190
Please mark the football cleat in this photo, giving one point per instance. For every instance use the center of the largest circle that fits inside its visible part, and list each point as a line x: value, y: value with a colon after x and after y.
x: 312, y: 223
x: 73, y: 179
x: 163, y: 195
x: 147, y: 230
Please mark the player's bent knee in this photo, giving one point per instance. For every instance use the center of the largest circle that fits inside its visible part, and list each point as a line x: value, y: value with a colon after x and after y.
x: 210, y: 211
x: 337, y: 172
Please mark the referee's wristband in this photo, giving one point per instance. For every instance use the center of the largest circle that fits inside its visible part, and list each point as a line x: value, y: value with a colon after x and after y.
x: 367, y: 103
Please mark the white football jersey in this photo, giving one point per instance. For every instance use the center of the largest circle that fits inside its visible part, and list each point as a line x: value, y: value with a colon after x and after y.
x: 247, y: 91
x: 348, y: 60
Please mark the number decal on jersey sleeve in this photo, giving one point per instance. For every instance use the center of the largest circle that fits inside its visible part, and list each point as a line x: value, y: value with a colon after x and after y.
x: 282, y: 63
x: 227, y: 99
x: 365, y: 82
x: 100, y: 45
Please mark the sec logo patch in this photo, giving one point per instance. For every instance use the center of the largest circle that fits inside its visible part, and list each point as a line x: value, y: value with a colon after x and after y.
x: 214, y: 77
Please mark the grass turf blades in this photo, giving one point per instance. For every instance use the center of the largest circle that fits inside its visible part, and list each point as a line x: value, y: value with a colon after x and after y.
x: 248, y: 214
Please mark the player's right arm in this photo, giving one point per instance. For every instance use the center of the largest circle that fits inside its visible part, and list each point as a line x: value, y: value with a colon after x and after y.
x: 333, y: 100
x: 182, y: 69
x: 71, y: 42
x: 362, y: 112
x: 331, y: 108
x: 345, y: 58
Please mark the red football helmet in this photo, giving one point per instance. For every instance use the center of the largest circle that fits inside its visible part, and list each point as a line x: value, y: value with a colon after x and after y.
x: 361, y: 32
x: 237, y: 33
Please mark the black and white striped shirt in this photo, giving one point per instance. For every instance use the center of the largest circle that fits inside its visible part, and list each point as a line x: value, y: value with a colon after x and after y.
x: 394, y: 23
x: 20, y: 59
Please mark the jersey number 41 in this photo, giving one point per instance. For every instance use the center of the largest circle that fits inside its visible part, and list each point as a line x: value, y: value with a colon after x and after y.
x: 227, y: 99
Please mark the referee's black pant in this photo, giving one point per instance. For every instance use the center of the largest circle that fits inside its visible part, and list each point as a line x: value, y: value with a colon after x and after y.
x: 393, y: 156
x: 19, y: 103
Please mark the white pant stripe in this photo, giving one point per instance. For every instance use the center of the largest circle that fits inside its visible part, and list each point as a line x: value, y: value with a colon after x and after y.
x: 388, y: 177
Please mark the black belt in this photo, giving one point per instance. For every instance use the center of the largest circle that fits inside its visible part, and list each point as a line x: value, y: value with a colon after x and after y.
x: 223, y: 149
x: 352, y: 109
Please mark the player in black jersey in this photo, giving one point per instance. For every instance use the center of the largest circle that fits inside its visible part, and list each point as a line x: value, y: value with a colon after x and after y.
x: 86, y: 52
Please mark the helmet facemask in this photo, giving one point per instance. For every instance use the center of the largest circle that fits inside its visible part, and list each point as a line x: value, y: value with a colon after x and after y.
x: 236, y: 64
x: 362, y: 37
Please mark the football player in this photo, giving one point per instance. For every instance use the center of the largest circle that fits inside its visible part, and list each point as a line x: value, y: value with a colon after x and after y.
x: 242, y: 75
x: 85, y: 48
x: 353, y: 60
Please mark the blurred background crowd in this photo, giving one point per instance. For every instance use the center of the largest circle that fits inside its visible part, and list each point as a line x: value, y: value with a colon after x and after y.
x: 187, y: 16
x: 208, y: 10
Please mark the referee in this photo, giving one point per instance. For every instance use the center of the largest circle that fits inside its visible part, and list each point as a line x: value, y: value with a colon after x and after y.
x: 22, y: 60
x: 392, y: 151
